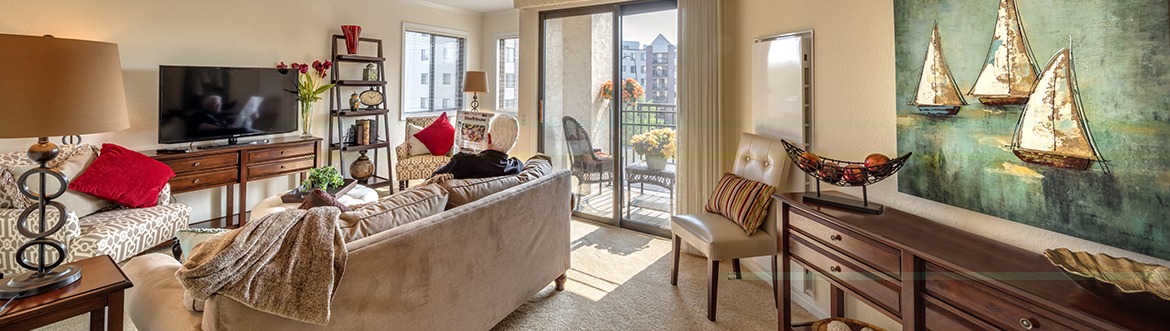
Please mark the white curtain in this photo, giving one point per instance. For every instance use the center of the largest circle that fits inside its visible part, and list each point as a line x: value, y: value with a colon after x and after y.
x: 698, y: 90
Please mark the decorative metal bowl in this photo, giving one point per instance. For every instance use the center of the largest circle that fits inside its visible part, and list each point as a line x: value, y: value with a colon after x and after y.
x: 1115, y: 279
x: 843, y: 173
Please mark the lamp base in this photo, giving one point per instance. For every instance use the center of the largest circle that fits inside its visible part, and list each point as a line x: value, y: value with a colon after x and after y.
x: 32, y: 283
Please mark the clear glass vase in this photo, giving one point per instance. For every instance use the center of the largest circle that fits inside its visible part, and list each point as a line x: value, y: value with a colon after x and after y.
x: 306, y: 118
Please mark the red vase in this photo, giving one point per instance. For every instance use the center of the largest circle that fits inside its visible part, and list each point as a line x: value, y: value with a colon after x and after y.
x: 351, y: 33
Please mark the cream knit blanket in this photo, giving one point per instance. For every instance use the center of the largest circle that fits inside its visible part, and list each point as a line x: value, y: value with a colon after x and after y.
x: 287, y: 264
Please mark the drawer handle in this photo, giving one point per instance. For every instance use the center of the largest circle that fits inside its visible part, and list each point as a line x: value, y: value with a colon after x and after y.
x: 835, y: 237
x: 196, y: 164
x: 281, y: 167
x: 282, y: 152
x: 835, y: 268
x: 196, y: 181
x: 1026, y: 323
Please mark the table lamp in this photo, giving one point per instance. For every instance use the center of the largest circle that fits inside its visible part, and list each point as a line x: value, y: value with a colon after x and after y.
x: 53, y: 87
x: 475, y: 82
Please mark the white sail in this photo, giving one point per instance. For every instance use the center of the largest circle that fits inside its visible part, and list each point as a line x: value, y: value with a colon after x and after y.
x: 1010, y: 70
x: 1052, y: 121
x: 937, y: 87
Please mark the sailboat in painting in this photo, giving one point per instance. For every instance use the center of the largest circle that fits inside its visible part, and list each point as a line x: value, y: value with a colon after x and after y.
x: 1010, y: 70
x: 937, y: 92
x: 1052, y: 129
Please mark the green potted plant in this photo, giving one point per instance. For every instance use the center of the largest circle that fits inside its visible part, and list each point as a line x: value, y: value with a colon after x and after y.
x: 324, y: 178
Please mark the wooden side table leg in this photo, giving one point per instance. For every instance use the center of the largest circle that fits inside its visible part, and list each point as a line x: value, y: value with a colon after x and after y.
x: 116, y: 311
x: 97, y: 319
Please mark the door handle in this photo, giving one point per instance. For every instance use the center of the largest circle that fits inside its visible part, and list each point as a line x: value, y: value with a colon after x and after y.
x: 540, y: 112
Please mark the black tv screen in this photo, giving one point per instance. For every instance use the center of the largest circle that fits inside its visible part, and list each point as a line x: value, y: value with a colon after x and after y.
x: 208, y: 103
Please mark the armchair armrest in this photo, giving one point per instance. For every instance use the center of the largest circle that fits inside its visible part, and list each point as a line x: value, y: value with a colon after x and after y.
x: 402, y: 150
x: 164, y: 196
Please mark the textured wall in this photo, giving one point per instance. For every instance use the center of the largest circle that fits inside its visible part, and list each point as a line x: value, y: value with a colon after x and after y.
x: 223, y: 33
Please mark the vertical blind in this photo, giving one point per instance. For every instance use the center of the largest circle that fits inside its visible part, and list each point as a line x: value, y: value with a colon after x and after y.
x: 433, y: 67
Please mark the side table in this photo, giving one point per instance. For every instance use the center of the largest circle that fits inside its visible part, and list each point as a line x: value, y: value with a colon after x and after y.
x: 98, y: 292
x: 641, y: 175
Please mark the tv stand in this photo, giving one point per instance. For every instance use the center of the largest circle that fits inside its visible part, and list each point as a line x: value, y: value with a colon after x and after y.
x: 235, y: 142
x: 239, y: 164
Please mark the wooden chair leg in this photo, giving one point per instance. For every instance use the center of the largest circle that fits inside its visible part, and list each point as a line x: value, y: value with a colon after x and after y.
x: 561, y: 282
x: 735, y: 267
x: 674, y: 267
x: 775, y: 282
x: 712, y: 289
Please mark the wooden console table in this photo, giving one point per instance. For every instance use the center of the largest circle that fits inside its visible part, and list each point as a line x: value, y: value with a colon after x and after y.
x: 99, y: 292
x: 930, y: 276
x: 231, y: 165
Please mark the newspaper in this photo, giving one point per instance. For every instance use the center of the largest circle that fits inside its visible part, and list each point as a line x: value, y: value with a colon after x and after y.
x: 473, y: 128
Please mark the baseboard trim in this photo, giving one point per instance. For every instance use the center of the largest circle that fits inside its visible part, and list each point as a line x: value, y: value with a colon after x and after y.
x: 805, y: 301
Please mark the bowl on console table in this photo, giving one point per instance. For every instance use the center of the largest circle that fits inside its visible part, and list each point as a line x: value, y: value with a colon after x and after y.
x: 1115, y: 279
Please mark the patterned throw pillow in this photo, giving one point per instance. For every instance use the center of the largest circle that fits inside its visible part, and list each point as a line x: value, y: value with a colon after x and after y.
x: 743, y: 201
x: 439, y: 136
x: 190, y: 238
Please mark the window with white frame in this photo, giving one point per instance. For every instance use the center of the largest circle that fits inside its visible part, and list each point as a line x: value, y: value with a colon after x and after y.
x: 432, y: 53
x: 507, y: 68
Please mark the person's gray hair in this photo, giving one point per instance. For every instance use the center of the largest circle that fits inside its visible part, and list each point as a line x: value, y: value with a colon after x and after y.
x: 503, y: 128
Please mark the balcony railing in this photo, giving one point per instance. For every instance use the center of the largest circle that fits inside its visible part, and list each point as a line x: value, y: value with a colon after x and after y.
x: 642, y: 118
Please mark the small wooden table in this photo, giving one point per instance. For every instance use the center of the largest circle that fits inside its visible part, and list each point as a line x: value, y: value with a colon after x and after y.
x: 100, y: 290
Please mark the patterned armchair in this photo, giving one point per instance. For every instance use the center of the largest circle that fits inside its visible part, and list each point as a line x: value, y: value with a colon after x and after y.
x: 119, y: 233
x: 418, y: 166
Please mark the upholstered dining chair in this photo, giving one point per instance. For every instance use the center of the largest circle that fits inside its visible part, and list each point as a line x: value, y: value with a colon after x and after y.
x: 585, y: 163
x: 759, y: 159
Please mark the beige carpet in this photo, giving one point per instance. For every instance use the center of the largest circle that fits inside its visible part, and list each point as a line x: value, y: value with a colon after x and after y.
x: 620, y: 280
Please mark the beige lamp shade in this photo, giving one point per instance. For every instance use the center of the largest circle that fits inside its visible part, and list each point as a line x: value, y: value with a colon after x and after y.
x: 475, y: 81
x: 56, y: 87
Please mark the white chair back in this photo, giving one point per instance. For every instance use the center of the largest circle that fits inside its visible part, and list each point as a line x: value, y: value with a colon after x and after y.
x: 763, y: 160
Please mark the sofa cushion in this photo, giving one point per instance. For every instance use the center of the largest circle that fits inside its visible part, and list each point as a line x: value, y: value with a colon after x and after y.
x: 439, y: 136
x: 537, y: 166
x: 463, y: 191
x: 320, y: 198
x: 124, y: 176
x: 12, y: 163
x: 71, y: 165
x: 392, y: 211
x: 743, y: 201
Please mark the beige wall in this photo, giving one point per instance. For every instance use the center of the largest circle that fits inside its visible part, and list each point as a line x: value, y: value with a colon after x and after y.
x: 854, y: 98
x: 255, y: 33
x: 497, y: 24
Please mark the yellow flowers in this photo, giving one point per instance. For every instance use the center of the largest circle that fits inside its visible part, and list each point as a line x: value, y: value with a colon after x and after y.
x: 657, y: 142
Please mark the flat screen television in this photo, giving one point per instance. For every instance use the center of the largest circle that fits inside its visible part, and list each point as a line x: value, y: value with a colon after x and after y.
x: 209, y: 103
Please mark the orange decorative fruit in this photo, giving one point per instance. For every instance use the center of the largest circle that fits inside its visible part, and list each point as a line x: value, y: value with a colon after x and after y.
x: 854, y: 174
x: 874, y: 163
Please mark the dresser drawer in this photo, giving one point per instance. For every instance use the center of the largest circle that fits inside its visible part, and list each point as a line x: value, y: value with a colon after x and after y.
x: 191, y: 181
x: 284, y: 152
x: 185, y: 166
x: 847, y: 272
x: 282, y: 167
x: 875, y: 254
x: 939, y: 316
x: 992, y: 306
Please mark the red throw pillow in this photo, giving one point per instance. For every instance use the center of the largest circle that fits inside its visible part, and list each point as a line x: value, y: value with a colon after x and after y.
x: 124, y: 176
x: 439, y: 136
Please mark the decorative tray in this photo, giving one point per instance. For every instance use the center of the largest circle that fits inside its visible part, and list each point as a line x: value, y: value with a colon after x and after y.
x: 1115, y: 279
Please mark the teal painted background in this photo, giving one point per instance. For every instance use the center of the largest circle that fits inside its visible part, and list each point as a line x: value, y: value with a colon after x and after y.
x: 1121, y: 52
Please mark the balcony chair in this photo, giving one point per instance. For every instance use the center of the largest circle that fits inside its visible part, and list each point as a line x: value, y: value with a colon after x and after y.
x: 585, y: 163
x: 757, y: 158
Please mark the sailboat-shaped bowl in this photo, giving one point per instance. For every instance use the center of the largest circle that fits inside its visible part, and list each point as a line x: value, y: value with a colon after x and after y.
x: 842, y: 173
x: 1115, y: 279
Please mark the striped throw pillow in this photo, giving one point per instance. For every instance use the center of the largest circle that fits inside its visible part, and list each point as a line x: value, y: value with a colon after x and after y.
x: 743, y: 201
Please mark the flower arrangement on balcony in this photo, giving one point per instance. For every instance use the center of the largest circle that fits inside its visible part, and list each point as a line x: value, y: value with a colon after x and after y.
x: 656, y: 146
x: 632, y: 91
x: 310, y: 87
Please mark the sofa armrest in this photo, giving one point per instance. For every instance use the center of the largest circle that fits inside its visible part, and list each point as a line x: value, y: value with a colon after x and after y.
x: 10, y: 238
x: 402, y: 151
x: 156, y: 300
x: 165, y: 197
x: 123, y: 233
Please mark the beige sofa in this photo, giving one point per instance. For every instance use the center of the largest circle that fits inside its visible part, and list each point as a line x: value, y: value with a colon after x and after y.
x: 463, y: 269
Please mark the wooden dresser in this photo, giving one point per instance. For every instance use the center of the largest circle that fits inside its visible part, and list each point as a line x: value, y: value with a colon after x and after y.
x: 231, y: 165
x: 930, y: 276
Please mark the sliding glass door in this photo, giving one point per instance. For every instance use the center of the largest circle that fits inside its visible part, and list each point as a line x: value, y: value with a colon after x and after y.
x: 603, y: 89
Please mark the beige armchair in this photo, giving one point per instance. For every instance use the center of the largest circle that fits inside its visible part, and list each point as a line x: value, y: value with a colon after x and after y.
x: 760, y: 159
x: 418, y: 166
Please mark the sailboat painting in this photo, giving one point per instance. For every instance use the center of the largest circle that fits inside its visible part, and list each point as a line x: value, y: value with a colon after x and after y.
x: 937, y: 94
x: 1010, y: 71
x: 1076, y: 143
x: 1052, y: 129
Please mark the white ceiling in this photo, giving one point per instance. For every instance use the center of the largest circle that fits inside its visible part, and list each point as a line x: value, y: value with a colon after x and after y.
x: 482, y: 6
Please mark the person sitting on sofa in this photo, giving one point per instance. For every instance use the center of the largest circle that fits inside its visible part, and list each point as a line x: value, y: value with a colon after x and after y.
x: 492, y: 162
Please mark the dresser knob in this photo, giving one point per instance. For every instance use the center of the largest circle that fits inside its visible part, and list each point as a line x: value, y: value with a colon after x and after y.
x: 835, y: 237
x: 196, y: 164
x: 281, y: 152
x: 196, y: 181
x: 838, y: 269
x: 1026, y: 323
x: 281, y: 167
